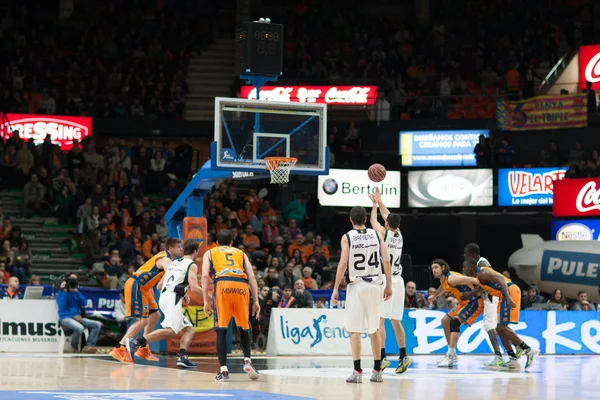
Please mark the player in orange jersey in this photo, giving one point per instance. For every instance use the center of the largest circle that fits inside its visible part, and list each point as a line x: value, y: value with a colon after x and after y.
x: 509, y: 305
x: 466, y: 312
x: 232, y: 275
x: 140, y: 303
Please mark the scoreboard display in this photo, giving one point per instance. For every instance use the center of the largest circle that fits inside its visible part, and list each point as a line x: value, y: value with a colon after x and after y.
x: 259, y: 49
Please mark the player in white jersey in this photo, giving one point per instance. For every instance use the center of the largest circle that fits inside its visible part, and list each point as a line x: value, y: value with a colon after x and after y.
x: 490, y: 308
x: 181, y: 274
x: 394, y: 308
x: 363, y: 262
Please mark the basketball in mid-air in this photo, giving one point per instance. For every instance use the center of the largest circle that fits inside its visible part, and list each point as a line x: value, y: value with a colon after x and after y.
x: 376, y: 172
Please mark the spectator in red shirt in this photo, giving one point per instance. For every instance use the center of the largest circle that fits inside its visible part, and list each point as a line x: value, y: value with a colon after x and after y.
x: 270, y: 232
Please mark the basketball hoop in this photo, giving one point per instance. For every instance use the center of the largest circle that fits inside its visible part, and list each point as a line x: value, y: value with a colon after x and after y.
x: 280, y: 168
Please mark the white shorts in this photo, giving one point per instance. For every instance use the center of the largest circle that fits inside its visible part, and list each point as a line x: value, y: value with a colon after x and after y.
x: 490, y: 311
x: 364, y: 301
x: 172, y: 312
x: 394, y: 307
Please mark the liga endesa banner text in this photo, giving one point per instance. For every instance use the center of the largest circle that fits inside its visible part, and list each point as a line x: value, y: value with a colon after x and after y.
x: 61, y: 129
x: 576, y: 198
x: 336, y: 95
x: 543, y: 112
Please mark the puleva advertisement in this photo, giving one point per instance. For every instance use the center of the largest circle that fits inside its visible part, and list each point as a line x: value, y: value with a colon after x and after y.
x: 570, y: 267
x: 528, y: 186
x: 439, y: 148
x: 350, y: 187
x: 320, y: 332
x: 576, y: 229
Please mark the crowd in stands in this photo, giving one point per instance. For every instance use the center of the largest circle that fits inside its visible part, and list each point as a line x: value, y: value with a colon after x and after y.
x: 104, y: 190
x: 135, y: 66
x: 467, y: 48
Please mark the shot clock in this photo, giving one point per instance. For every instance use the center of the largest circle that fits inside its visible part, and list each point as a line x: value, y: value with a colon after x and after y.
x: 259, y: 49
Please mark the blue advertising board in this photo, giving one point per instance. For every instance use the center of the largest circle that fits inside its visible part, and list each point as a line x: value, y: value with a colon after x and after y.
x: 439, y: 148
x: 570, y: 267
x: 552, y: 332
x: 575, y: 229
x: 527, y: 186
x: 100, y: 302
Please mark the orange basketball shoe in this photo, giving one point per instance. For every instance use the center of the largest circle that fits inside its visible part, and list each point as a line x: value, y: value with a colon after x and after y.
x: 120, y: 354
x: 146, y: 354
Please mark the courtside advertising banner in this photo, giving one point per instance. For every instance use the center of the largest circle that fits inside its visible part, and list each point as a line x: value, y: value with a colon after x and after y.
x: 320, y: 332
x: 310, y: 332
x: 576, y: 198
x: 334, y: 95
x: 451, y: 188
x: 61, y: 129
x: 29, y: 326
x: 439, y: 148
x: 576, y: 229
x: 543, y: 112
x: 589, y: 66
x: 351, y: 187
x: 528, y: 186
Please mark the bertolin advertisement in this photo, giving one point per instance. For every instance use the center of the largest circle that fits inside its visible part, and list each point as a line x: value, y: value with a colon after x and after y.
x: 350, y: 187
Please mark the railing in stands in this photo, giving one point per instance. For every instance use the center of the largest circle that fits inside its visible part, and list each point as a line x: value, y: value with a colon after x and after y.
x: 557, y: 69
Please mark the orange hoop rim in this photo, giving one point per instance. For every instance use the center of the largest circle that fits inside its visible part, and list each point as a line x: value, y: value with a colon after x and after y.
x: 274, y: 162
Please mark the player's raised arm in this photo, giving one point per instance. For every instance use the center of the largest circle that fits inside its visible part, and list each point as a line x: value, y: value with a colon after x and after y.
x: 205, y: 282
x: 341, y: 269
x: 253, y: 285
x: 193, y: 280
x: 382, y: 208
x: 374, y: 222
x: 387, y: 268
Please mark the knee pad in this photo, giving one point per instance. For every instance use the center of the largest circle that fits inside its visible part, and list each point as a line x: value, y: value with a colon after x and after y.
x: 454, y: 325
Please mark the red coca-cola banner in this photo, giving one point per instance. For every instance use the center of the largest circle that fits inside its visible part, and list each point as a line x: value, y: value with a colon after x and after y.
x: 62, y: 130
x: 589, y: 66
x: 576, y: 198
x: 338, y: 95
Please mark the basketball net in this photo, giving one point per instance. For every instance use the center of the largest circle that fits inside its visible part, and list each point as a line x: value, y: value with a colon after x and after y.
x: 280, y: 168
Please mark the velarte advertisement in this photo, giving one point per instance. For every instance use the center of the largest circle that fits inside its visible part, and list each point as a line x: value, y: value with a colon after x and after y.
x: 351, y: 187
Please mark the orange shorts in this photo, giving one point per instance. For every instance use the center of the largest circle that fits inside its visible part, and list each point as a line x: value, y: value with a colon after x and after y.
x: 231, y: 299
x: 507, y: 315
x: 468, y: 311
x: 139, y: 302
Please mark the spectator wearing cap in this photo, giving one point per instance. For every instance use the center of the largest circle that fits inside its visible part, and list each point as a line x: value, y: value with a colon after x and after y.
x: 532, y: 297
x: 582, y: 303
x: 11, y: 292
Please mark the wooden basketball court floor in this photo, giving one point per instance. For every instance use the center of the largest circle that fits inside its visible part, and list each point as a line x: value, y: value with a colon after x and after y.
x: 39, y: 376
